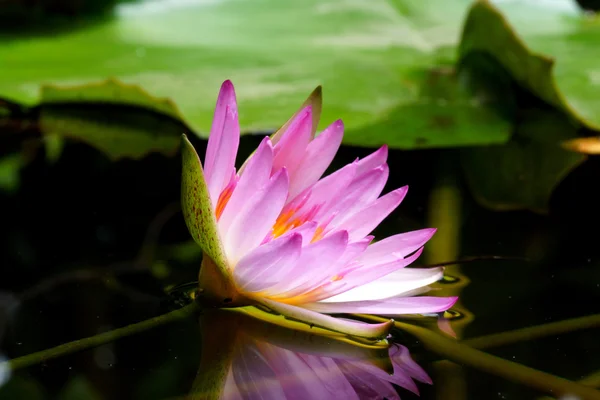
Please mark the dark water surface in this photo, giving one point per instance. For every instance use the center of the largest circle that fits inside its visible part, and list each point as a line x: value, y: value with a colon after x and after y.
x: 89, y: 245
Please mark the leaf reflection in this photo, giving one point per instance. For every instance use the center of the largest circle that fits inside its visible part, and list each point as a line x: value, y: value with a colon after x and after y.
x: 246, y: 358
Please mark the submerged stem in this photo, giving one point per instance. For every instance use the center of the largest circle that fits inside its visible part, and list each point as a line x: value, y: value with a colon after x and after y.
x: 97, y: 340
x: 463, y: 354
x: 534, y: 332
x: 591, y: 380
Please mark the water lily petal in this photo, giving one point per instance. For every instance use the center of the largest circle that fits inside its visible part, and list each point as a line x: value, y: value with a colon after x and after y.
x: 256, y: 218
x: 361, y: 192
x: 324, y: 193
x: 355, y: 277
x: 354, y: 328
x: 392, y: 285
x: 363, y: 222
x: 394, y: 247
x: 315, y: 100
x: 307, y: 231
x: 268, y: 264
x: 290, y: 149
x: 389, y: 307
x: 328, y: 270
x: 223, y: 142
x: 256, y: 175
x: 373, y: 160
x: 314, y: 259
x: 319, y: 154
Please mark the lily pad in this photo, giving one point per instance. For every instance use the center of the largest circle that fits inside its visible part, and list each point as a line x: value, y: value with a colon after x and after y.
x: 373, y: 60
x: 117, y: 131
x: 120, y: 120
x: 523, y: 173
x: 550, y: 48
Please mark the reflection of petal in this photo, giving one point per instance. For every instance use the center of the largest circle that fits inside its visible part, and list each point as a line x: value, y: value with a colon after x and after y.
x: 402, y: 360
x: 368, y: 386
x: 253, y: 375
x: 297, y: 378
x: 271, y: 362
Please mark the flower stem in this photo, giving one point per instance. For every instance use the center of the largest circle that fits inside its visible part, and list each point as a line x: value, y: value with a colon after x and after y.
x: 592, y: 380
x: 97, y: 340
x: 534, y: 332
x: 466, y: 355
x: 445, y: 213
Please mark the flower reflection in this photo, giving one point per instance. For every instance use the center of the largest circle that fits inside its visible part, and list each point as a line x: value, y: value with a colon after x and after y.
x: 266, y: 361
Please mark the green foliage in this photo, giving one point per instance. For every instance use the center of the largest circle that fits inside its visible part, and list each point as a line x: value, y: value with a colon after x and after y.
x: 398, y: 72
x: 373, y: 65
x: 549, y: 48
x: 524, y: 172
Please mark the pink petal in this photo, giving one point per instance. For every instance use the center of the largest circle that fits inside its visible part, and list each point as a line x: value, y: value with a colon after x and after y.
x: 267, y: 264
x: 222, y: 143
x: 389, y: 307
x: 292, y: 145
x: 256, y: 218
x: 394, y: 247
x: 364, y: 221
x: 373, y: 160
x: 325, y: 192
x: 361, y: 276
x: 325, y: 274
x: 355, y: 328
x: 307, y: 231
x: 395, y: 284
x: 319, y: 154
x: 360, y: 193
x: 312, y: 265
x: 257, y: 173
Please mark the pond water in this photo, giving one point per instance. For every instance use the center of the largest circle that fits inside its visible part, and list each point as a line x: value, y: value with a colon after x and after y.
x: 89, y: 245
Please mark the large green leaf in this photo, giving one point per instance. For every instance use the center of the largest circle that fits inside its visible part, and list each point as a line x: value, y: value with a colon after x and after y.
x: 120, y: 120
x: 374, y: 60
x: 549, y: 47
x: 523, y: 173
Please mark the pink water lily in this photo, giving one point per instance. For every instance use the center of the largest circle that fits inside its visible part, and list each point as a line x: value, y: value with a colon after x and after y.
x: 277, y: 234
